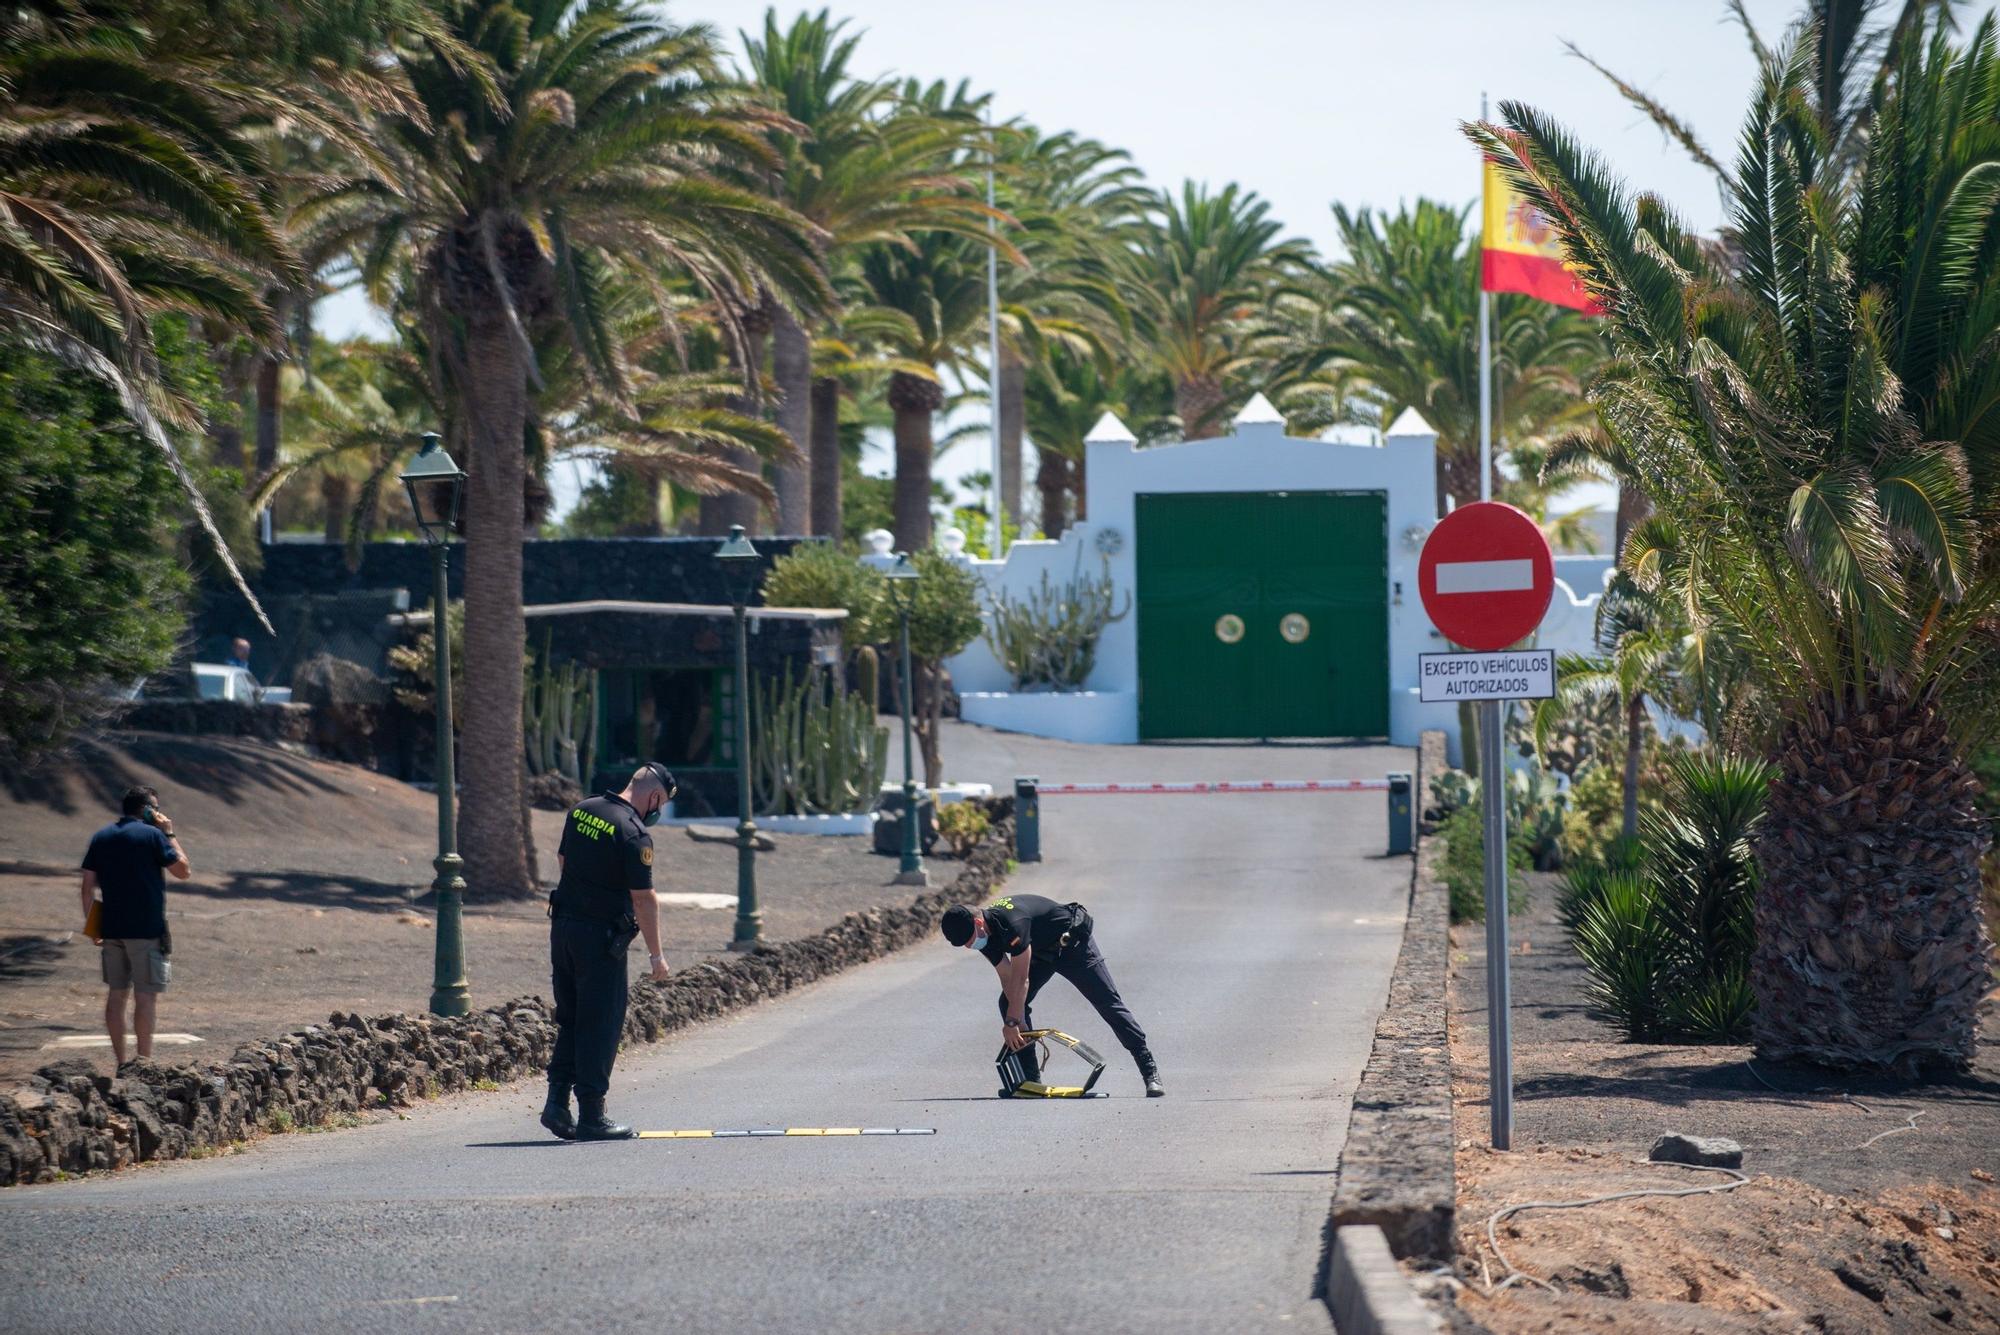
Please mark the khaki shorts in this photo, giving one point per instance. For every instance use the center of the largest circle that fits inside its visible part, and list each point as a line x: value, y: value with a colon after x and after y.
x: 138, y: 963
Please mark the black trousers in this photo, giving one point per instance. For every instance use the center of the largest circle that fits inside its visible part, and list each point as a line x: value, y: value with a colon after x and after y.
x: 591, y: 987
x: 1083, y: 965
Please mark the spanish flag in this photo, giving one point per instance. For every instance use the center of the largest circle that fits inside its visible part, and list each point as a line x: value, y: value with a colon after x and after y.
x: 1519, y: 249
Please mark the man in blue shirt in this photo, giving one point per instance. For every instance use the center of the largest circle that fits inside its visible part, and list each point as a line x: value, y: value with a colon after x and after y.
x: 124, y: 877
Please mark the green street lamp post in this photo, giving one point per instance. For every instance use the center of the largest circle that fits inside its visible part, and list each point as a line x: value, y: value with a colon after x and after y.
x: 436, y: 486
x: 902, y: 579
x: 739, y: 566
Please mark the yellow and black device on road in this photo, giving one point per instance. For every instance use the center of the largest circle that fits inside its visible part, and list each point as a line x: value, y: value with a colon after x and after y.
x: 1021, y: 1072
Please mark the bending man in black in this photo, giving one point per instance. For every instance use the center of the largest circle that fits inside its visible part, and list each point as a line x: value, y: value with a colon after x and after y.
x: 604, y: 899
x: 1028, y: 938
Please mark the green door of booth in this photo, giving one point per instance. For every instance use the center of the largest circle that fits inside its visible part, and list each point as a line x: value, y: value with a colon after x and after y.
x: 1263, y: 614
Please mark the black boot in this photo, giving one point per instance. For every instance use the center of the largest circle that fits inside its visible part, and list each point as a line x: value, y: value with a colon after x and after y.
x: 1149, y: 1071
x: 555, y: 1114
x: 592, y: 1124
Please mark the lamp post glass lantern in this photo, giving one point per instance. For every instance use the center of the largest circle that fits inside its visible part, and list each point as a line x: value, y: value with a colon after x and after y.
x: 903, y: 579
x: 739, y: 569
x: 436, y: 486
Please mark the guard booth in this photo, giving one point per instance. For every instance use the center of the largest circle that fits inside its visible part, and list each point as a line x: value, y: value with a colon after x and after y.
x: 1272, y: 584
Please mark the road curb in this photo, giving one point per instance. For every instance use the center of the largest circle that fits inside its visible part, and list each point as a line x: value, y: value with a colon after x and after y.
x: 1397, y: 1167
x: 1368, y: 1291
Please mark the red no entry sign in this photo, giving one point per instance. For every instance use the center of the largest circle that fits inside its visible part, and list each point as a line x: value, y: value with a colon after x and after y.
x: 1486, y: 576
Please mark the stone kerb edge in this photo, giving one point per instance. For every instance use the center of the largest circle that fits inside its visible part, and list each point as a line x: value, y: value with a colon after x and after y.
x: 69, y: 1119
x: 1396, y: 1169
x: 1367, y: 1289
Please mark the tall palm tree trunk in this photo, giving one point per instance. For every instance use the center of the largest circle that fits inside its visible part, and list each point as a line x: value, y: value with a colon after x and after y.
x: 1198, y: 400
x: 491, y: 836
x: 1079, y: 484
x: 1052, y: 474
x: 719, y: 513
x: 334, y: 493
x: 791, y: 367
x: 1635, y: 742
x: 1013, y: 390
x: 913, y: 401
x: 1458, y: 476
x: 825, y: 431
x: 1633, y: 508
x: 270, y: 408
x: 1870, y: 952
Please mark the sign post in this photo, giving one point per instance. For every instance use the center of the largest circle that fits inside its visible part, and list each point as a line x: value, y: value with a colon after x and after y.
x: 1486, y: 576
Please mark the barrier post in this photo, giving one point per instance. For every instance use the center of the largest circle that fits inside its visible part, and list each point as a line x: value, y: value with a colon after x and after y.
x: 1399, y: 813
x: 1027, y: 819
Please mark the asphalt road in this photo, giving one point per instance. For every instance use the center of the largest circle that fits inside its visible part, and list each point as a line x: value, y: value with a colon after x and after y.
x: 1253, y: 936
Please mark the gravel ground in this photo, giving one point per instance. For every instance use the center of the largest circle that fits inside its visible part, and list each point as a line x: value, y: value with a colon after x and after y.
x: 310, y: 896
x: 1848, y: 1223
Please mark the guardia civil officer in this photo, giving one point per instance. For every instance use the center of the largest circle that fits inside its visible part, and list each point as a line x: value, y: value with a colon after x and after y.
x: 604, y: 899
x: 1027, y: 939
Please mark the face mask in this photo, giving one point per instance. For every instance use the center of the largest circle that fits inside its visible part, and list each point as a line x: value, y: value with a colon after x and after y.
x: 653, y: 817
x: 979, y: 942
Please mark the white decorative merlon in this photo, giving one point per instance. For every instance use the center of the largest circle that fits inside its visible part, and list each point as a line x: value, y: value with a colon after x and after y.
x: 1410, y: 422
x: 1259, y: 412
x: 1110, y: 431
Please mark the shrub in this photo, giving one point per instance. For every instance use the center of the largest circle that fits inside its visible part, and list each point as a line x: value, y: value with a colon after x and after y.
x: 1583, y: 883
x: 1450, y: 791
x: 1596, y: 809
x: 964, y: 825
x: 820, y: 574
x: 1667, y: 936
x: 91, y: 591
x: 1535, y: 817
x: 1464, y: 838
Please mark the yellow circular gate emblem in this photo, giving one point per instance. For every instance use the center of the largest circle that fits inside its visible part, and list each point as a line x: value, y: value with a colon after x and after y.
x: 1294, y: 628
x: 1229, y: 628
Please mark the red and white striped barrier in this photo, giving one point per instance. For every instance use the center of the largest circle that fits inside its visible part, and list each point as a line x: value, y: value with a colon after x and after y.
x: 1225, y: 786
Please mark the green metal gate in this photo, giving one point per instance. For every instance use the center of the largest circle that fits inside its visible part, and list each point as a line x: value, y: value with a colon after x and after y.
x: 1263, y: 614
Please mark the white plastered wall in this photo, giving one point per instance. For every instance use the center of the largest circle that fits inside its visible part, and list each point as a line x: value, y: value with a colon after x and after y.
x: 1256, y: 457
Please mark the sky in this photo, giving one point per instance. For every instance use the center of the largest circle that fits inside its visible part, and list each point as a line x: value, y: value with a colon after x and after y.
x: 1308, y: 102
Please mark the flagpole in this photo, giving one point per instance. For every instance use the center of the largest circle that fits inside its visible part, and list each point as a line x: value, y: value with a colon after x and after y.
x: 996, y: 537
x: 1485, y: 372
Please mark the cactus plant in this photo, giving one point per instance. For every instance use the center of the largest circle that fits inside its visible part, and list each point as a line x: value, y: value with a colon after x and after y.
x: 813, y: 750
x: 559, y: 718
x: 1049, y: 638
x: 868, y: 674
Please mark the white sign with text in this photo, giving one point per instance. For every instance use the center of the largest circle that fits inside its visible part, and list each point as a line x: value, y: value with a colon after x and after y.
x: 1507, y: 674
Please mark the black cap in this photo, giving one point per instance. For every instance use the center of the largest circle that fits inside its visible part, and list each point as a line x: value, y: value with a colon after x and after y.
x: 664, y: 775
x: 957, y: 924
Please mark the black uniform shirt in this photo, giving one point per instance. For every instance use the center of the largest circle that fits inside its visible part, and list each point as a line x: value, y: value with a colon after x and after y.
x: 1016, y: 922
x: 607, y: 853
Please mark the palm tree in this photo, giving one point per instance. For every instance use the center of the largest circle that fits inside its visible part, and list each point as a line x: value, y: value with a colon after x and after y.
x: 360, y: 411
x: 131, y: 183
x: 1205, y: 264
x: 1852, y: 60
x: 1820, y: 427
x: 1649, y: 656
x: 1394, y: 325
x: 589, y: 145
x: 866, y: 167
x: 1065, y: 395
x: 1079, y: 206
x: 938, y: 282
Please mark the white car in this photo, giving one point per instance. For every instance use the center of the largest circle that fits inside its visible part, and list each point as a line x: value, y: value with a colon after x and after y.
x: 221, y: 681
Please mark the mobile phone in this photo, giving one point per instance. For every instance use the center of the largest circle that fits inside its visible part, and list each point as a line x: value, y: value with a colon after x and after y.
x: 150, y: 815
